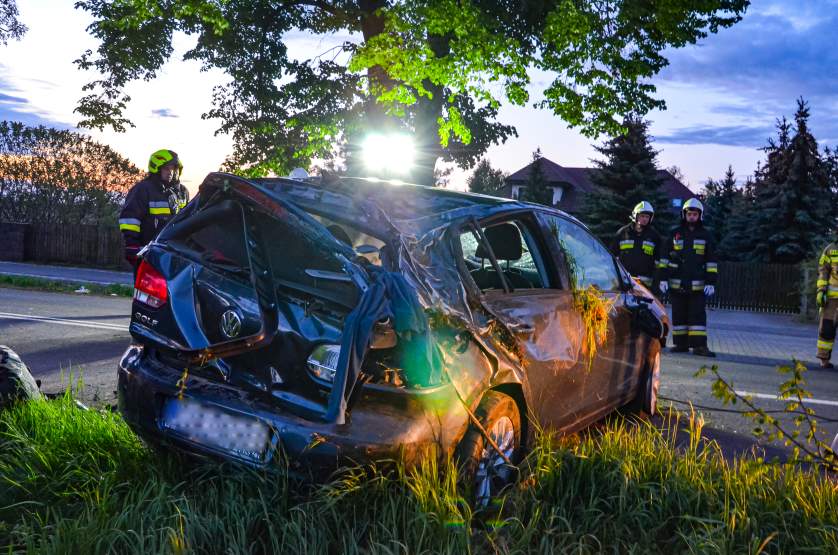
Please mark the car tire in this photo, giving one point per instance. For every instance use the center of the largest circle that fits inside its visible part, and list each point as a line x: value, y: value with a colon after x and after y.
x: 482, y: 470
x: 645, y: 403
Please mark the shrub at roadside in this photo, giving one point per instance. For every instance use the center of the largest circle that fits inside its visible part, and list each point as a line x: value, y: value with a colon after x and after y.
x: 75, y: 481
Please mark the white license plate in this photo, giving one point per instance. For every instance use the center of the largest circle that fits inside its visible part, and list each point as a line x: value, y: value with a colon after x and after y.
x: 242, y: 436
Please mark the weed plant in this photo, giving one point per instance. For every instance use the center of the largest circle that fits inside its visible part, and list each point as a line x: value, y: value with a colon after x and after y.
x: 74, y: 481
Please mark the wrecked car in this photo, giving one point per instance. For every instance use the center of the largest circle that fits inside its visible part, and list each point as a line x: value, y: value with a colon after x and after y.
x: 350, y: 320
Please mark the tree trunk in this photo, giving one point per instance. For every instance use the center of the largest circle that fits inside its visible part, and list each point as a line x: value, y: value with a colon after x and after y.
x: 428, y: 111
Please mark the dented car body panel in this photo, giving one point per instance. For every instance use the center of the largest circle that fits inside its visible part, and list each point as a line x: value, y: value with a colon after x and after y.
x: 355, y: 320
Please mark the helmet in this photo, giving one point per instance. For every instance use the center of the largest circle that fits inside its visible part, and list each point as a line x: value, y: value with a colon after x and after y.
x: 161, y: 158
x: 692, y: 204
x: 643, y: 207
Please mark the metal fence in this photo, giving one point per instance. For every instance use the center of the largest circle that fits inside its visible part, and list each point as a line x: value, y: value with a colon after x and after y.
x: 758, y: 287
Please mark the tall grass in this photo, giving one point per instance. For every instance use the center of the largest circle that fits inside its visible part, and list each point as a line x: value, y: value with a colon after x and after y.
x: 58, y: 286
x: 75, y: 481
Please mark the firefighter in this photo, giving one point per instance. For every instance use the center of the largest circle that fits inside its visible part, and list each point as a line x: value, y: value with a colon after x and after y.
x: 640, y: 248
x: 692, y: 276
x: 151, y: 203
x: 827, y: 300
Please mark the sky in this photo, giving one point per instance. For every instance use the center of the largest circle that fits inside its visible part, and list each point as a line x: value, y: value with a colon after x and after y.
x: 723, y: 94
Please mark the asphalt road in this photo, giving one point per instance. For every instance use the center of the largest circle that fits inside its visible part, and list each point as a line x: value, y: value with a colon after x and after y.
x: 62, y: 335
x: 59, y: 335
x: 750, y: 348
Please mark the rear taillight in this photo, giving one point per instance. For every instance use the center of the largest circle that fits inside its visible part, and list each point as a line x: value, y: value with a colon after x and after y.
x: 150, y: 287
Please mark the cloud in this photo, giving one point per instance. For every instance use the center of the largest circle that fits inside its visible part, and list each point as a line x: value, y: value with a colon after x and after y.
x: 15, y: 107
x: 163, y: 113
x: 7, y: 98
x: 779, y: 52
x: 775, y: 52
x: 732, y: 135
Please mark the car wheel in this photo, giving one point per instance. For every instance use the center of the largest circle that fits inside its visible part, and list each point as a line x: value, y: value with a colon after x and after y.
x: 482, y: 468
x: 646, y: 401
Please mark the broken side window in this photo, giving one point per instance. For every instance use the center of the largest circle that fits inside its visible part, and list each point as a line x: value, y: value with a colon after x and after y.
x: 370, y: 248
x: 516, y: 250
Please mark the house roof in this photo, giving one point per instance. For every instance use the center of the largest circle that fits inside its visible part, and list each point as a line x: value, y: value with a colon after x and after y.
x: 580, y: 180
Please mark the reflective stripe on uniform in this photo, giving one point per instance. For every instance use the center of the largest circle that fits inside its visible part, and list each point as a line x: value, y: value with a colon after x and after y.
x: 832, y: 292
x: 648, y: 247
x: 129, y: 224
x: 712, y: 268
x: 645, y: 280
x: 159, y: 207
x: 697, y: 330
x: 663, y: 263
x: 825, y: 345
x: 679, y: 330
x: 626, y: 244
x: 675, y: 283
x: 698, y: 285
x: 678, y: 245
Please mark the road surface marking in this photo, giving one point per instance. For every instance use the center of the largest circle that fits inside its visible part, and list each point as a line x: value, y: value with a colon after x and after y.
x: 777, y: 398
x: 64, y: 321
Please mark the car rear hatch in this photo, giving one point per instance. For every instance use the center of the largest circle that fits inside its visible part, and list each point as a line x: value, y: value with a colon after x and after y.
x: 245, y: 289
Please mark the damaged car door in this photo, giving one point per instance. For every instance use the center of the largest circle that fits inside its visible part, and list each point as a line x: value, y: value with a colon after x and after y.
x: 509, y: 262
x: 613, y: 377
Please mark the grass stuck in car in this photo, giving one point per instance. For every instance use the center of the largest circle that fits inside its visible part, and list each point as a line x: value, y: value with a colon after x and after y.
x: 75, y: 481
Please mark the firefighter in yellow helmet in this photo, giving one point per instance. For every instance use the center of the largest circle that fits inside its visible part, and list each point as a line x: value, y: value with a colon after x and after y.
x: 640, y: 248
x: 827, y: 300
x: 152, y: 202
x: 692, y: 275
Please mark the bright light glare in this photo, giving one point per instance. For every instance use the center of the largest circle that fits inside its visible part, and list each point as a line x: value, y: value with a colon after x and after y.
x: 390, y: 153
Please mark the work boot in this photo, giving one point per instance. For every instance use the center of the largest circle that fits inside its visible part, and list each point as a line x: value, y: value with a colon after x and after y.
x: 703, y: 352
x: 677, y: 349
x: 826, y: 365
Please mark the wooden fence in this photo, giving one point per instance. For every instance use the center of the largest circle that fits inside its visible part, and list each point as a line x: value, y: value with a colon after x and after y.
x: 84, y: 245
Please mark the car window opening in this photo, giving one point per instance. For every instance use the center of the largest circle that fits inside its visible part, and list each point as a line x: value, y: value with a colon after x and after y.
x: 368, y: 248
x: 589, y: 262
x: 516, y: 250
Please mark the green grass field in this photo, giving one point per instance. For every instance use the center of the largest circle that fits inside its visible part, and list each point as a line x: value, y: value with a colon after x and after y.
x: 74, y: 481
x: 57, y: 286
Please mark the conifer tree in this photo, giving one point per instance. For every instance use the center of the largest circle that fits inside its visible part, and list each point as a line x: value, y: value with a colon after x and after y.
x: 537, y: 189
x: 626, y: 176
x: 737, y: 239
x: 793, y: 204
x: 719, y: 198
x: 485, y: 179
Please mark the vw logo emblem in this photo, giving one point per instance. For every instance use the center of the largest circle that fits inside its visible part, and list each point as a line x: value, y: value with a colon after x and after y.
x: 231, y: 324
